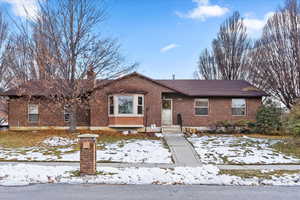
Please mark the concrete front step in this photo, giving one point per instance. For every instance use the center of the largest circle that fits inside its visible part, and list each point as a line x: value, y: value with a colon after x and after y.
x: 171, y: 129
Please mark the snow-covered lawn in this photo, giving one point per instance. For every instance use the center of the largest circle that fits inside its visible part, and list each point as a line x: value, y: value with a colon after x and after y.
x: 21, y: 174
x: 238, y: 150
x: 59, y: 141
x: 64, y: 149
x: 138, y: 151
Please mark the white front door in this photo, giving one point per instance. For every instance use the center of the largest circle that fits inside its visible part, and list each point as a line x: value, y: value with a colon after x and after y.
x: 166, y: 112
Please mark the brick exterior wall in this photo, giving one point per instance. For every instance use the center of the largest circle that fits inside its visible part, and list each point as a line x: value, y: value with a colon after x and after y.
x: 126, y: 121
x: 152, y: 100
x: 96, y: 115
x: 219, y: 110
x: 50, y: 113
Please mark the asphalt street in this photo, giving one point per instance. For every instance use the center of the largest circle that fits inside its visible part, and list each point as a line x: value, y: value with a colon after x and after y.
x: 147, y: 192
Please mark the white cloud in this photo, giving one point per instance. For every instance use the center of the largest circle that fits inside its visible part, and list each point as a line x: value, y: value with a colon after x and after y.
x: 254, y: 25
x: 204, y: 10
x: 23, y: 8
x: 168, y: 47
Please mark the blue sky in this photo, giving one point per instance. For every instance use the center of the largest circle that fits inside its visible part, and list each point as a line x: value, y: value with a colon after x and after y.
x: 167, y: 36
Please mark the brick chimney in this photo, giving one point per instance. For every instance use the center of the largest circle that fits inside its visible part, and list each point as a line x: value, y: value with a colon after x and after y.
x: 91, y: 76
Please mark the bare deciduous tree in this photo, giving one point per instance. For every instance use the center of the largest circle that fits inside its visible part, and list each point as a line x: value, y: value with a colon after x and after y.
x: 275, y: 60
x: 4, y: 40
x: 207, y: 67
x: 228, y: 59
x: 5, y: 75
x: 63, y: 45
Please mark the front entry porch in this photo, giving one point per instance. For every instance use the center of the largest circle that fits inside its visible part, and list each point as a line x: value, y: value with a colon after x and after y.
x: 167, y: 117
x: 167, y: 112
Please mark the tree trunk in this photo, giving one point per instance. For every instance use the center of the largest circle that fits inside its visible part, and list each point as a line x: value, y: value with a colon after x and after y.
x: 73, y: 119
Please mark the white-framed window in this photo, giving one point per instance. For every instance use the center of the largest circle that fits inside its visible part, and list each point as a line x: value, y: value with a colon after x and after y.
x: 201, y: 107
x: 238, y: 107
x: 67, y: 113
x: 33, y: 113
x: 140, y: 105
x: 111, y: 105
x: 126, y: 105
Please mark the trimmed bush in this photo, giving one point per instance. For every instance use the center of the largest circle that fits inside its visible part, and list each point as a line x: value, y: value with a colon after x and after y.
x: 241, y: 126
x: 225, y: 126
x: 245, y: 126
x: 268, y: 118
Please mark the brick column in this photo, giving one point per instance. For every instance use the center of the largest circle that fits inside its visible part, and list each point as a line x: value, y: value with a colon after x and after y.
x: 88, y: 158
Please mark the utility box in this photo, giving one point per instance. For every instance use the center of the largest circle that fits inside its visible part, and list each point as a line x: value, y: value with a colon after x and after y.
x: 88, y: 151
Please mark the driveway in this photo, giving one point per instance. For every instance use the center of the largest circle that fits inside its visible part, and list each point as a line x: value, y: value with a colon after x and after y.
x: 147, y: 192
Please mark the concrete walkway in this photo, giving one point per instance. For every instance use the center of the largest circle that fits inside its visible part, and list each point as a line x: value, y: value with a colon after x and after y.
x: 161, y: 165
x: 182, y: 151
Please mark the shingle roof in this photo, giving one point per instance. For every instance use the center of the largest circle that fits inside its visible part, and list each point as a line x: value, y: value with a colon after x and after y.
x: 46, y: 88
x: 214, y: 87
x: 204, y: 88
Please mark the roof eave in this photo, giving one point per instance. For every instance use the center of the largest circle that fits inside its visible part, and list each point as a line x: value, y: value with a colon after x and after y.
x: 206, y: 95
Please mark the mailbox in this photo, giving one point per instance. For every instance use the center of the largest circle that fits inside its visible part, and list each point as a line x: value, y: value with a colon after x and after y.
x: 88, y: 143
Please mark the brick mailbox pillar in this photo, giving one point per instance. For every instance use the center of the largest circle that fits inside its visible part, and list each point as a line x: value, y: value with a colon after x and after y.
x: 88, y: 160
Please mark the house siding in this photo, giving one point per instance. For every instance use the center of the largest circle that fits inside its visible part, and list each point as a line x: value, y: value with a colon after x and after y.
x: 50, y: 113
x: 96, y: 114
x: 127, y: 121
x: 152, y: 100
x: 219, y: 110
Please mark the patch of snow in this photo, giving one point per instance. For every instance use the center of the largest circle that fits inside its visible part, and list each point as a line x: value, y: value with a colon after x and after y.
x: 135, y: 151
x: 159, y: 135
x: 21, y: 174
x: 24, y: 174
x: 132, y: 151
x: 238, y: 150
x: 267, y: 170
x: 125, y: 132
x: 59, y: 141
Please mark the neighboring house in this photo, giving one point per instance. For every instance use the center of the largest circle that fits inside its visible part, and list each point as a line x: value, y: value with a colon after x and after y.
x: 136, y: 101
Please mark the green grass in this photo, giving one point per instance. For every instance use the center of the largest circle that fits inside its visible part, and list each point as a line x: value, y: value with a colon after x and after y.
x: 76, y: 173
x: 258, y: 173
x: 53, y: 151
